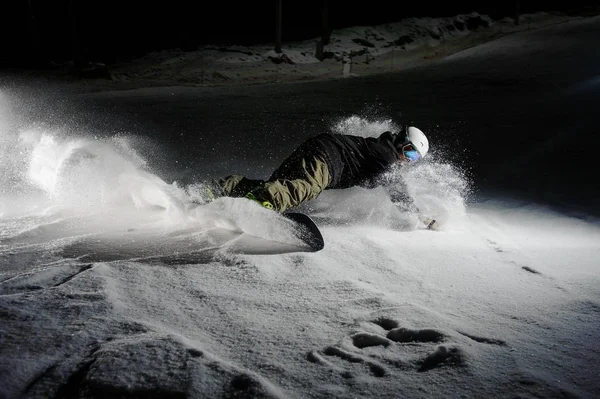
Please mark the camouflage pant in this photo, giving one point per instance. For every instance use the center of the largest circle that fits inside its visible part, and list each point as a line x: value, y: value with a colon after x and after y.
x: 300, y: 178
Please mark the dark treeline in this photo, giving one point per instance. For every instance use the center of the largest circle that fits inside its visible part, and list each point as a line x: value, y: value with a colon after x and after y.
x: 46, y: 32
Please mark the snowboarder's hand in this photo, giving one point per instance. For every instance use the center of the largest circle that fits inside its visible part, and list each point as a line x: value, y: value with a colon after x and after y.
x: 430, y: 223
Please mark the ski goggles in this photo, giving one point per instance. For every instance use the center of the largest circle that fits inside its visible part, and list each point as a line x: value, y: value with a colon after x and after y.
x: 410, y: 152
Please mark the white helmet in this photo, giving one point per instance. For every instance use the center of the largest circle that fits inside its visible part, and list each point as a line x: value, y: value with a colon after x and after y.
x: 418, y: 140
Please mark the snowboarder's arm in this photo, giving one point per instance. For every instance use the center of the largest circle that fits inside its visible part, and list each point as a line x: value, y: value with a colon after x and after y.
x: 400, y: 197
x: 430, y: 223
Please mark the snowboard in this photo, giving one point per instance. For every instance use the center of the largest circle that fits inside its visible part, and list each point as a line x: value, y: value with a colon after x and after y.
x: 306, y: 230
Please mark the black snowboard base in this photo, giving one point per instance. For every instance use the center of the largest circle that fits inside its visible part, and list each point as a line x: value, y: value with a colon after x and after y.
x: 307, y: 230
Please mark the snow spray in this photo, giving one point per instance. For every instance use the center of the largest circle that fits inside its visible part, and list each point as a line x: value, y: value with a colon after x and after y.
x: 439, y: 189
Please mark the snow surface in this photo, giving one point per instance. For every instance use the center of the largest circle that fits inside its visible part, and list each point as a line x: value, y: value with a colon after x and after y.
x: 115, y: 282
x: 354, y: 51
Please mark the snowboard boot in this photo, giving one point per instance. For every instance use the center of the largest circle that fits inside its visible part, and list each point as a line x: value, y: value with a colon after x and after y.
x: 231, y: 186
x: 237, y: 186
x: 258, y: 194
x: 213, y: 189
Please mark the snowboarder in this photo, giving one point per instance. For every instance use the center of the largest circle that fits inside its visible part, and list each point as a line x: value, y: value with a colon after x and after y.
x: 330, y: 161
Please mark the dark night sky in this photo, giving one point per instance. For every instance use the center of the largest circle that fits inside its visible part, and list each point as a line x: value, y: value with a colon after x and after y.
x: 38, y: 31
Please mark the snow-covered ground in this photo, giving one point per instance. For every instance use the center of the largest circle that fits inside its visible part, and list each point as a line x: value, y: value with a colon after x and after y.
x: 115, y: 282
x: 354, y: 51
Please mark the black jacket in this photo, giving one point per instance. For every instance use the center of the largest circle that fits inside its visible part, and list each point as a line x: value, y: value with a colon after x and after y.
x: 354, y: 160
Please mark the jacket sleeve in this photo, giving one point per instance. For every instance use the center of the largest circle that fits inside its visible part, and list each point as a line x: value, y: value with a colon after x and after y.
x: 396, y: 188
x: 399, y: 195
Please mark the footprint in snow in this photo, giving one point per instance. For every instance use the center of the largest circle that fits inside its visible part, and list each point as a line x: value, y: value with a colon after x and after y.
x: 396, y: 348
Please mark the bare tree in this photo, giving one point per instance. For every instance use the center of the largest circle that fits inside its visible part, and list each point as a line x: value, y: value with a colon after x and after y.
x: 325, y: 33
x: 75, y: 45
x: 34, y: 39
x: 278, y: 26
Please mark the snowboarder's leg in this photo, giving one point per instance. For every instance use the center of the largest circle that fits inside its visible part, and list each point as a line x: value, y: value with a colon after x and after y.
x: 238, y: 186
x: 297, y: 181
x: 300, y: 177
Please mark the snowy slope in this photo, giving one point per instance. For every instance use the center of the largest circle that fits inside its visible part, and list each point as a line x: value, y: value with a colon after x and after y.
x: 117, y: 282
x: 354, y: 51
x: 123, y: 285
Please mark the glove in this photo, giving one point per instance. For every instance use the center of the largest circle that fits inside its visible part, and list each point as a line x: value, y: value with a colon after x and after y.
x: 430, y: 223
